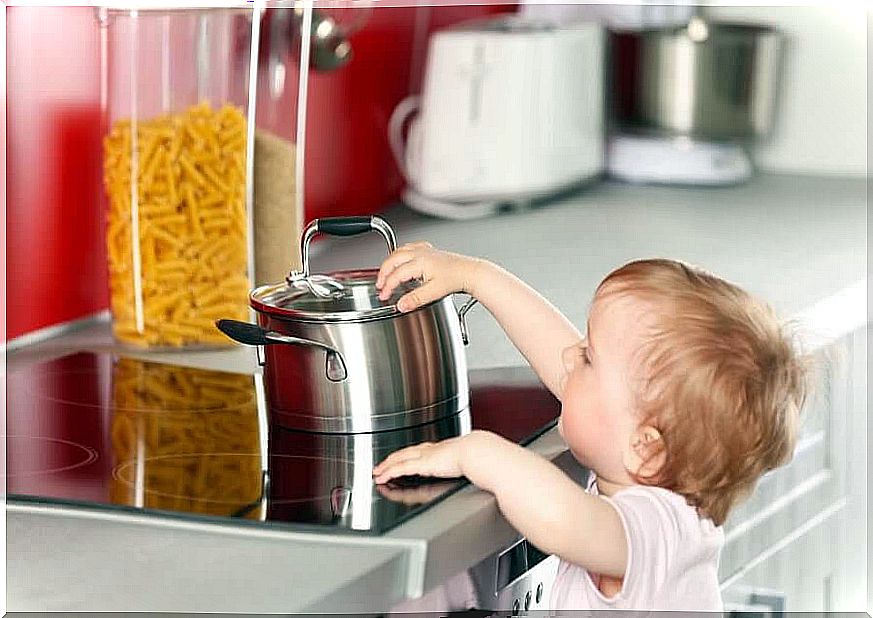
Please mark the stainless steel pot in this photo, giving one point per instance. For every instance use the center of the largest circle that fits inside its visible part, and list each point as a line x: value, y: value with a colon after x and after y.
x: 338, y: 359
x: 707, y: 80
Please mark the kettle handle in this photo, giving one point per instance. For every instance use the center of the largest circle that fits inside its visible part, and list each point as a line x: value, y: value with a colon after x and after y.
x: 408, y: 106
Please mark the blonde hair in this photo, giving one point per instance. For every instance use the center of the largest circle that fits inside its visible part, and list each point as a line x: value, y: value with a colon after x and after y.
x: 723, y: 382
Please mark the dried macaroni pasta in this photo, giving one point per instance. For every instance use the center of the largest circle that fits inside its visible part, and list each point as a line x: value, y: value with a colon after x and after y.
x: 178, y: 259
x: 184, y: 439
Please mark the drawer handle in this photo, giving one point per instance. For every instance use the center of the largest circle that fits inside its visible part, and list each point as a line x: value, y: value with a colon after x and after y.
x: 762, y: 603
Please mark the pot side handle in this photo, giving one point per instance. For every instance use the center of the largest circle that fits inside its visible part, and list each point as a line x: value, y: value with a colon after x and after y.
x: 252, y: 334
x: 462, y: 318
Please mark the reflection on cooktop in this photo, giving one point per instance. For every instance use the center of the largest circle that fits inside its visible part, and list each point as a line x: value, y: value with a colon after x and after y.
x: 37, y: 455
x: 208, y: 483
x: 114, y: 432
x: 341, y: 467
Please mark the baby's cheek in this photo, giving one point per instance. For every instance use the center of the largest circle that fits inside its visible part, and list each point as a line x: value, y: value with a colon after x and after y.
x: 571, y: 429
x: 585, y: 437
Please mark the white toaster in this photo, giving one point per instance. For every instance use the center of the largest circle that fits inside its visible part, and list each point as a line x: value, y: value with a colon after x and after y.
x: 511, y: 109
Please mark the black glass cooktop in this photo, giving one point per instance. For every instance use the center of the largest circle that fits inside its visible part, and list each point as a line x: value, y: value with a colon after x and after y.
x: 112, y: 432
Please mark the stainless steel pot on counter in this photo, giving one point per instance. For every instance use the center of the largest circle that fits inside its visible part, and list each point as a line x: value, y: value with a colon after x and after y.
x: 338, y: 359
x: 706, y: 79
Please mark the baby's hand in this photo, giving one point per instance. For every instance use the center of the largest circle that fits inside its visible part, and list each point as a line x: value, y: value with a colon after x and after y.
x: 441, y: 273
x: 440, y: 459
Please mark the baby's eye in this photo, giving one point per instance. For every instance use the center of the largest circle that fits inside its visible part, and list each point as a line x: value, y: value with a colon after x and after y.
x: 583, y: 354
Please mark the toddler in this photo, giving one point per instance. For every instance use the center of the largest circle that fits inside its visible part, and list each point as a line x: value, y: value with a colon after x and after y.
x: 683, y: 391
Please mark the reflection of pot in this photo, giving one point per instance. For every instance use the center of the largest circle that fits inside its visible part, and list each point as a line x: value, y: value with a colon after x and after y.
x: 707, y: 80
x: 344, y: 361
x: 328, y: 478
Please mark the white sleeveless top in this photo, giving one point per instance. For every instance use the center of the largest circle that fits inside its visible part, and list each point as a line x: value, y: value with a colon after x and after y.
x: 673, y: 557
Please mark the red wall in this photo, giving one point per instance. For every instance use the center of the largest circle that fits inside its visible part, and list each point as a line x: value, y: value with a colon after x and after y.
x: 54, y: 247
x: 349, y: 167
x: 55, y: 257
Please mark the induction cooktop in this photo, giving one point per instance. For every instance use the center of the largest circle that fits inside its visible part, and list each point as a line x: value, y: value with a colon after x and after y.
x: 109, y: 432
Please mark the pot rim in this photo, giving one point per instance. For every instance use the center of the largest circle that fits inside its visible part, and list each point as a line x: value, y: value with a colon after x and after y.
x: 257, y: 302
x: 722, y: 29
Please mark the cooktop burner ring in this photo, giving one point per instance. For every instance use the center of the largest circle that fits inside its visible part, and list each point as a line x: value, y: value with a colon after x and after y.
x: 145, y: 410
x: 98, y: 400
x: 88, y: 454
x: 117, y: 474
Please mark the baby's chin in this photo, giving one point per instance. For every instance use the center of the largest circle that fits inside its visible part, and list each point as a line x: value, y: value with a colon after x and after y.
x: 573, y: 452
x: 580, y: 457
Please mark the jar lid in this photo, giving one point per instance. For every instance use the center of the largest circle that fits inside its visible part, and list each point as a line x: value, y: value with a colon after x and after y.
x: 357, y: 301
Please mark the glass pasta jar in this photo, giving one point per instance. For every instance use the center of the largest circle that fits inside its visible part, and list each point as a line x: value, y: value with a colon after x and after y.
x: 177, y: 171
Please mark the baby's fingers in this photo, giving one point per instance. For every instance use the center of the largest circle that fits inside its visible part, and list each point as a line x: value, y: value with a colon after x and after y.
x: 419, y: 297
x: 404, y: 272
x: 401, y: 468
x: 410, y: 452
x: 398, y: 257
x: 402, y: 455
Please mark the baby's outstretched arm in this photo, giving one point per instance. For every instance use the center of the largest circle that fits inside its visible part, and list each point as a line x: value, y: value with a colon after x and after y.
x: 535, y: 496
x: 533, y: 324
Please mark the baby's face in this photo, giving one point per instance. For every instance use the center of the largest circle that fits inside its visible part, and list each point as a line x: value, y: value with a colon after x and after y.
x: 597, y: 412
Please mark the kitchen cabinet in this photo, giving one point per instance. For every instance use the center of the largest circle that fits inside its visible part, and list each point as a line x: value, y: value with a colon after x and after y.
x: 797, y: 544
x: 788, y: 580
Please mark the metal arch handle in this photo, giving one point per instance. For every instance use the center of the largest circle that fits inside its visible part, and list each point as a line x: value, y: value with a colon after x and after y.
x: 341, y: 226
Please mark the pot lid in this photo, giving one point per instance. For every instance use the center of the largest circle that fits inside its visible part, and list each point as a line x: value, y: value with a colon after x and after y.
x: 357, y: 300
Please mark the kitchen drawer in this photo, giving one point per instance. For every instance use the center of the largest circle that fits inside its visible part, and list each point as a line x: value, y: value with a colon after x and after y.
x: 793, y: 496
x: 801, y: 532
x: 809, y: 484
x: 793, y: 575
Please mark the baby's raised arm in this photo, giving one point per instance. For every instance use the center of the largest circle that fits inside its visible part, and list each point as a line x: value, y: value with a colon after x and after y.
x: 533, y: 324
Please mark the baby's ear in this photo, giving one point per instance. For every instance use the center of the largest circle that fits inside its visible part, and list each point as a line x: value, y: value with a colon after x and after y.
x: 646, y: 454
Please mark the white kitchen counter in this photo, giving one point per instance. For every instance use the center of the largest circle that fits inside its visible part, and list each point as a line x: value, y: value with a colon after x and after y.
x: 798, y: 242
x: 794, y: 241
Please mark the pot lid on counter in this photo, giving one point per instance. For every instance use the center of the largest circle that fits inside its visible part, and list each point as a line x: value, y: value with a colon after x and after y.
x: 356, y: 300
